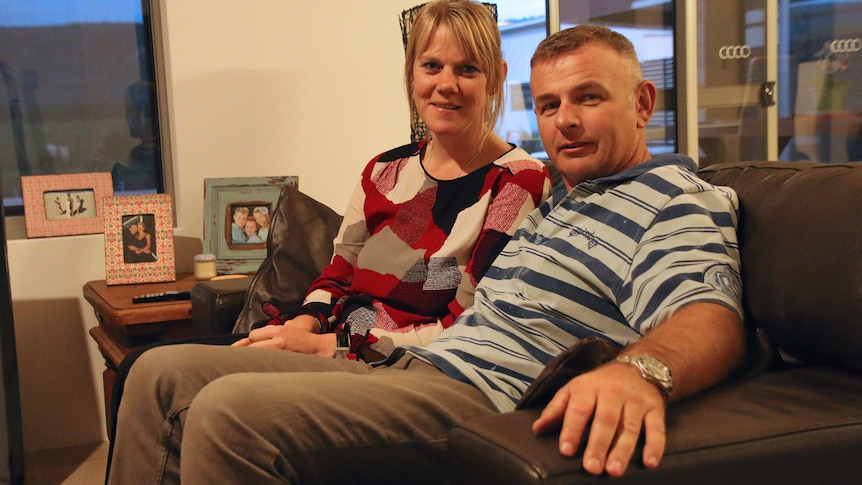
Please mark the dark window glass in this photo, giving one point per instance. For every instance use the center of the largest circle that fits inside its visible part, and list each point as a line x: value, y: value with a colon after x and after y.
x: 78, y: 94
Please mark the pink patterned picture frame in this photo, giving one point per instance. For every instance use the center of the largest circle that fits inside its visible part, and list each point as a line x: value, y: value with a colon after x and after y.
x: 65, y: 205
x: 139, y: 239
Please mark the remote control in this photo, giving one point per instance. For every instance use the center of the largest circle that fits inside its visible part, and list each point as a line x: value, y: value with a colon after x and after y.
x: 166, y: 296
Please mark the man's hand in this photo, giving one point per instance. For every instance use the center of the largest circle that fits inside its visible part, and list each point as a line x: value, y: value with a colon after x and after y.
x: 620, y: 404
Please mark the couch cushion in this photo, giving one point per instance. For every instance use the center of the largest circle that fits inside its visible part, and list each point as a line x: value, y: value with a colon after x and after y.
x: 801, y: 248
x: 298, y: 247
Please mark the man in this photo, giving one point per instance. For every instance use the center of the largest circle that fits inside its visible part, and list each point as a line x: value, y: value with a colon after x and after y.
x: 593, y: 107
x: 636, y: 251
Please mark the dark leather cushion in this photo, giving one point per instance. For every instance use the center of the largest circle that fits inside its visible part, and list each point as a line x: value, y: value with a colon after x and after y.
x: 217, y: 304
x: 298, y: 247
x: 801, y: 238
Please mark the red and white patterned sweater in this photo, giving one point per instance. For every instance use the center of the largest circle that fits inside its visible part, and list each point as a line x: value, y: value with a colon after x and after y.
x: 411, y: 248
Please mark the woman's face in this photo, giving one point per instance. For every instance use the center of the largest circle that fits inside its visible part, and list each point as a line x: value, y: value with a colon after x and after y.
x: 261, y: 218
x: 449, y: 90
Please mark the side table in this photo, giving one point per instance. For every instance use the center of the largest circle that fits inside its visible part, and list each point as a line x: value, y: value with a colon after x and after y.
x: 125, y: 326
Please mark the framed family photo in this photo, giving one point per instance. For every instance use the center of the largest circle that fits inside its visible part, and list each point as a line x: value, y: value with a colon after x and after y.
x: 65, y: 205
x: 237, y: 215
x: 139, y: 239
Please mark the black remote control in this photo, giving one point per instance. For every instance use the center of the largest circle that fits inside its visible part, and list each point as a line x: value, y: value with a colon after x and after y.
x: 166, y: 296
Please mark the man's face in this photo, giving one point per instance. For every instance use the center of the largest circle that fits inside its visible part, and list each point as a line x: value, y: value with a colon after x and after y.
x: 591, y: 117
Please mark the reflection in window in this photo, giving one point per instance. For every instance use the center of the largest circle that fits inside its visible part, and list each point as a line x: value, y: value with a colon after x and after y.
x: 77, y: 94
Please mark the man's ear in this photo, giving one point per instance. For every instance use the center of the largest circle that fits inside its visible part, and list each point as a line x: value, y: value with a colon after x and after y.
x: 645, y: 95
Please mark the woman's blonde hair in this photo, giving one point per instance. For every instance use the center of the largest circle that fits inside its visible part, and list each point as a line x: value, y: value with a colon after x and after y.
x: 475, y: 30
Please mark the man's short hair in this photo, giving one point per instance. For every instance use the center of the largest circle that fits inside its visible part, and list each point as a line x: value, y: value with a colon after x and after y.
x: 565, y: 41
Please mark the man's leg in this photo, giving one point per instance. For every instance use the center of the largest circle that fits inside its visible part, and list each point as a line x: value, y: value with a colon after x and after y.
x: 388, y: 426
x: 162, y: 384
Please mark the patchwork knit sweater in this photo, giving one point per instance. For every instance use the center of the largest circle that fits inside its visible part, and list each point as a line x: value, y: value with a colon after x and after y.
x: 411, y: 248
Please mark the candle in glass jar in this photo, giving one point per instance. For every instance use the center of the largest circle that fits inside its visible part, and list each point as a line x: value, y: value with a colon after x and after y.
x: 205, y: 266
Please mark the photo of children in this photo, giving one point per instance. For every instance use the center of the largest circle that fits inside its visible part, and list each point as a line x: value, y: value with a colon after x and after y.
x: 249, y: 223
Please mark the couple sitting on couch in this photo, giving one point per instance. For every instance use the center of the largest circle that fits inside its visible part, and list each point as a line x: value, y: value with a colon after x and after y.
x: 633, y: 250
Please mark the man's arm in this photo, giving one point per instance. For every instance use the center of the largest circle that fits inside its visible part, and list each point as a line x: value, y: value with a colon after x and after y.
x: 701, y: 344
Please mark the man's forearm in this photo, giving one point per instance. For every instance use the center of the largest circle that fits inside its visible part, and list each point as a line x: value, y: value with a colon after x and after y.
x: 701, y: 344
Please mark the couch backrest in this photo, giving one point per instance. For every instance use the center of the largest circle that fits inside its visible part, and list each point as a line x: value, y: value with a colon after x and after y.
x: 801, y: 249
x: 298, y: 247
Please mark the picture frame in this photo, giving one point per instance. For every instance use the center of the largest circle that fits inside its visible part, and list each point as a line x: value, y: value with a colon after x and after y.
x: 139, y: 239
x: 236, y: 249
x: 65, y: 205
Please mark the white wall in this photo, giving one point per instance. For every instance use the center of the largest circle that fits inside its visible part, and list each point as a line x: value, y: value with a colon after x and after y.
x: 256, y: 88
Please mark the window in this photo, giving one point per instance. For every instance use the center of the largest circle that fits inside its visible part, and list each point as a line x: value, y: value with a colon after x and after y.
x: 522, y: 26
x: 78, y: 94
x: 647, y: 23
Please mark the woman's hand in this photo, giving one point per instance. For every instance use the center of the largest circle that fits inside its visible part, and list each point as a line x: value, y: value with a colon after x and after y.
x: 294, y: 335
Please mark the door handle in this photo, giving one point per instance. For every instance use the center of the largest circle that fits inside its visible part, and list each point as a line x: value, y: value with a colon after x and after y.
x: 767, y: 94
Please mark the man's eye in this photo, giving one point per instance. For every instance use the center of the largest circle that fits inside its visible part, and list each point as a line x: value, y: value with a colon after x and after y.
x: 549, y: 107
x: 591, y: 98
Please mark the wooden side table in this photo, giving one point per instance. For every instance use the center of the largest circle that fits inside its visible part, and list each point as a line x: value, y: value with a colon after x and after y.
x: 125, y: 326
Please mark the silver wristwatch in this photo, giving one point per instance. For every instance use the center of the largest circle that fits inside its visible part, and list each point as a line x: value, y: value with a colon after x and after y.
x: 651, y: 369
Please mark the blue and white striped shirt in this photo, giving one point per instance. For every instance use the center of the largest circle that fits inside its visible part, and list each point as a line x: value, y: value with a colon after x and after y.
x: 613, y: 258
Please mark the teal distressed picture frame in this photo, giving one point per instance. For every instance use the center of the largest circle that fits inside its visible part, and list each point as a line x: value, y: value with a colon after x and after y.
x: 225, y: 202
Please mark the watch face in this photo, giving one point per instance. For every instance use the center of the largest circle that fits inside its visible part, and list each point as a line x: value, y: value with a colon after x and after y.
x: 656, y: 368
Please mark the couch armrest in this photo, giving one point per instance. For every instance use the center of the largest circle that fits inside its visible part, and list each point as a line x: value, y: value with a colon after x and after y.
x: 217, y: 304
x: 800, y: 425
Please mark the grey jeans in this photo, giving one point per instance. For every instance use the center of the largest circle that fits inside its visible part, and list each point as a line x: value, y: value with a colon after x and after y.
x: 214, y: 414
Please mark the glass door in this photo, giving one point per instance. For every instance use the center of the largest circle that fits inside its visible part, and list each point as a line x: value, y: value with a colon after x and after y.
x: 736, y: 85
x: 743, y: 80
x: 819, y: 72
x: 649, y: 24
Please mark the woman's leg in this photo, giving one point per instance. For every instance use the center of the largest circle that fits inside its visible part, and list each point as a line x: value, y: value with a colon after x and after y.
x: 388, y: 426
x: 161, y: 386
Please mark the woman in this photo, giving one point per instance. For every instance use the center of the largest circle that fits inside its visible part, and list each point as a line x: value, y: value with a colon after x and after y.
x: 474, y: 186
x: 423, y: 225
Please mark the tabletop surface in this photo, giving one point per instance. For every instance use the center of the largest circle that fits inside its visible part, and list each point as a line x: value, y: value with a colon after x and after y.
x: 114, y: 304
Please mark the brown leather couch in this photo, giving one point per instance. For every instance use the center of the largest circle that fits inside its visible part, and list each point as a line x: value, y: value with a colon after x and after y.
x: 794, y: 420
x: 794, y: 415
